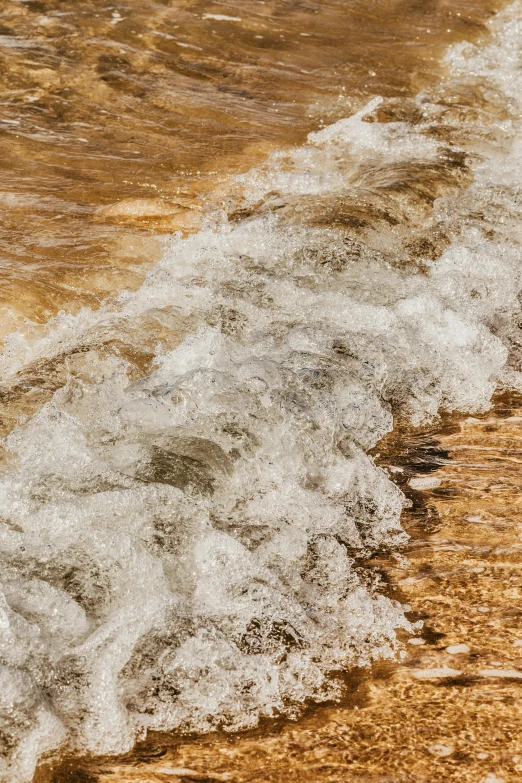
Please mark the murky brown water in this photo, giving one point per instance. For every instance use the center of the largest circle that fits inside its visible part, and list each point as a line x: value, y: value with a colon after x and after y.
x: 120, y: 124
x: 450, y: 711
x: 154, y: 103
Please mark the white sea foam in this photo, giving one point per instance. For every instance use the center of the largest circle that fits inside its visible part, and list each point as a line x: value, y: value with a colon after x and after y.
x: 186, y: 551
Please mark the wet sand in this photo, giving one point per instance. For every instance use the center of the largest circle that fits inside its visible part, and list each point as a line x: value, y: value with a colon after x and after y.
x: 450, y: 709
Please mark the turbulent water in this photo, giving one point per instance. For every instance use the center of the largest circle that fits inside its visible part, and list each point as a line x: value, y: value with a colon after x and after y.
x: 185, y: 521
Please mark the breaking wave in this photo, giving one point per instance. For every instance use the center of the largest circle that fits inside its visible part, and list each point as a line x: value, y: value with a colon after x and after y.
x: 185, y: 519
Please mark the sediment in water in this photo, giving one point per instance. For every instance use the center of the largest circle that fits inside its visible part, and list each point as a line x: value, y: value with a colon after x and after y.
x: 116, y: 122
x: 188, y: 522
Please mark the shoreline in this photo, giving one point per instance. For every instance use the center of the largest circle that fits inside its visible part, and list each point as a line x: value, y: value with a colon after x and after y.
x: 165, y: 481
x: 437, y: 715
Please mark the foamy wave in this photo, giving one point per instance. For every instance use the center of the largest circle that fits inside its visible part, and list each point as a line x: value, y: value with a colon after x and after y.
x: 185, y: 550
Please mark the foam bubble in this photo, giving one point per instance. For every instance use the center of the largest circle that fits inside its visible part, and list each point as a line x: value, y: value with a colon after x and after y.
x: 185, y: 550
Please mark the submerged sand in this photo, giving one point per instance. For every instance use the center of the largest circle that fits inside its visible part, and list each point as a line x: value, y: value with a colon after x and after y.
x: 447, y: 710
x: 116, y: 120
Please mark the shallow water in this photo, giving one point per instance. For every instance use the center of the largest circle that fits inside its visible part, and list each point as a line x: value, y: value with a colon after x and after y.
x: 157, y: 103
x: 196, y: 531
